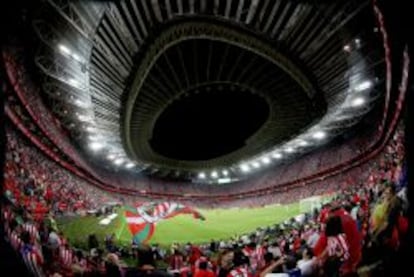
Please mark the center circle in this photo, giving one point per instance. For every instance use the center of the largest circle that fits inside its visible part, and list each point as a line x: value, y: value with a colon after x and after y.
x: 208, y: 121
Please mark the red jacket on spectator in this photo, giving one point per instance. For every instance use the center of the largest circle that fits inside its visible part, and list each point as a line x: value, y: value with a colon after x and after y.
x: 176, y: 262
x: 204, y: 273
x: 296, y: 244
x: 353, y: 236
x: 49, y: 194
x: 323, y: 216
x: 354, y: 239
x: 195, y: 254
x: 321, y: 244
x: 356, y: 199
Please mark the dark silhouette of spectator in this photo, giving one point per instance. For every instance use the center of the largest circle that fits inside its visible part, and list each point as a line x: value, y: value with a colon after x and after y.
x: 93, y: 241
x: 112, y: 266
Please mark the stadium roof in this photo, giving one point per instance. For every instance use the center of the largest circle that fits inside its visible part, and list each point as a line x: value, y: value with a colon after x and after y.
x: 205, y: 90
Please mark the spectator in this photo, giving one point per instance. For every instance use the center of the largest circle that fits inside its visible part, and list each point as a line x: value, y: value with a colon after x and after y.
x: 54, y: 240
x: 224, y: 262
x: 203, y: 271
x: 112, y: 266
x: 93, y: 242
x: 307, y: 264
x: 275, y: 250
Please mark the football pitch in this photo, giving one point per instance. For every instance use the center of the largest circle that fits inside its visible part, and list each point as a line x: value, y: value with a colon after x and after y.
x: 219, y: 224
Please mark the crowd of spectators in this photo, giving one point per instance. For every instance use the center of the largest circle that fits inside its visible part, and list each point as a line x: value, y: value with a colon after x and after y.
x: 41, y: 185
x: 302, y: 167
x: 38, y: 190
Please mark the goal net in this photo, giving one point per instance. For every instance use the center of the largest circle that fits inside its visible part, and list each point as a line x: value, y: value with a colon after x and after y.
x: 309, y: 204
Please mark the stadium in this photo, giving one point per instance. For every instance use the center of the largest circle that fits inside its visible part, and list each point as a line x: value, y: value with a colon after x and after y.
x: 206, y: 138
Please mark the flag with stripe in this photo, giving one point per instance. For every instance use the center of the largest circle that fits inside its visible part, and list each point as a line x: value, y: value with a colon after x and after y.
x: 142, y: 219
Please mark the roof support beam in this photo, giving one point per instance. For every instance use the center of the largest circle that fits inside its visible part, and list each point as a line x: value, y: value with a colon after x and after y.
x: 252, y: 11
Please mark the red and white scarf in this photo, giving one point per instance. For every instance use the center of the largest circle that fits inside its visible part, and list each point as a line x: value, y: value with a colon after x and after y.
x: 338, y: 247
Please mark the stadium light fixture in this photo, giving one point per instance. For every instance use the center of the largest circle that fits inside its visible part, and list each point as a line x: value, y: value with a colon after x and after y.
x: 347, y: 48
x: 111, y: 156
x: 256, y: 164
x: 76, y: 57
x: 214, y: 174
x: 225, y: 172
x: 265, y: 160
x: 302, y: 143
x: 64, y: 49
x: 319, y: 135
x: 223, y: 180
x: 289, y: 150
x: 359, y: 101
x: 245, y: 167
x: 277, y: 155
x: 96, y: 145
x: 73, y: 82
x: 130, y: 165
x: 363, y: 86
x: 201, y: 175
x: 119, y: 161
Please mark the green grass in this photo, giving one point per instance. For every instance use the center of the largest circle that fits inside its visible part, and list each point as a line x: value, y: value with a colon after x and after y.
x: 219, y: 224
